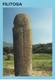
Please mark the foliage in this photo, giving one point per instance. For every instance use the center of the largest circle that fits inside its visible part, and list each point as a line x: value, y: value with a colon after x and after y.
x: 8, y: 56
x: 42, y: 48
x: 38, y: 48
x: 7, y: 50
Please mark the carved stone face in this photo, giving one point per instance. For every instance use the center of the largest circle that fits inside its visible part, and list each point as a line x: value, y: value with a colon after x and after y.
x: 21, y: 20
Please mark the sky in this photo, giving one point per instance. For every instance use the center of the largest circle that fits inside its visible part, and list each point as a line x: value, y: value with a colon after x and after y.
x: 40, y: 19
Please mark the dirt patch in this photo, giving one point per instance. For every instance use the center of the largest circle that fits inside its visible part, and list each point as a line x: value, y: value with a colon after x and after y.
x: 42, y: 73
x: 10, y: 72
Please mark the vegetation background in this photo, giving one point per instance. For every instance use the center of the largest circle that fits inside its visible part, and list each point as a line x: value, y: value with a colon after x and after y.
x: 41, y: 59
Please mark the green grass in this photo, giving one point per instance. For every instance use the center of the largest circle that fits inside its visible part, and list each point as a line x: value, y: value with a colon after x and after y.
x: 42, y: 61
x: 8, y: 63
x: 39, y: 62
x: 41, y: 56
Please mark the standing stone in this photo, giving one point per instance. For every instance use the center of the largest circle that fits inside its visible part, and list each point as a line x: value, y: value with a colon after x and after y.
x: 22, y: 42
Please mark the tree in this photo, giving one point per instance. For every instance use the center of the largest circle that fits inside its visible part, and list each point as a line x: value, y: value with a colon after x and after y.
x: 8, y: 50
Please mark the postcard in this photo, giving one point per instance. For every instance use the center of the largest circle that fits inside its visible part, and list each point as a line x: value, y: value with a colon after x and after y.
x: 27, y: 43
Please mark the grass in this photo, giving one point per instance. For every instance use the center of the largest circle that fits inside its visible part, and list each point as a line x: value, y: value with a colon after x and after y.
x: 41, y: 64
x: 42, y: 61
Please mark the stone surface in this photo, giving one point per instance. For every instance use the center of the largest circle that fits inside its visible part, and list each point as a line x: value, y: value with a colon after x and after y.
x: 21, y: 20
x: 22, y: 42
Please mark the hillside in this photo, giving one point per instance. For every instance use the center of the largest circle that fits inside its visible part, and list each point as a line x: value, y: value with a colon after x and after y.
x: 42, y: 48
x: 37, y: 48
x: 5, y: 44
